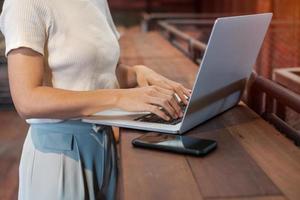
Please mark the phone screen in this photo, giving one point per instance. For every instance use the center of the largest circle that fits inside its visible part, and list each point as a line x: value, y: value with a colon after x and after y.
x: 176, y: 142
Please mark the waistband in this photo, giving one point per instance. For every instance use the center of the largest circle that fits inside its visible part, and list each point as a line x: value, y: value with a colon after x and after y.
x: 70, y: 125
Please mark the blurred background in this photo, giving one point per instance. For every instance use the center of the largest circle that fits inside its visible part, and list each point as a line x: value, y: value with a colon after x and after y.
x: 279, y: 59
x: 283, y: 39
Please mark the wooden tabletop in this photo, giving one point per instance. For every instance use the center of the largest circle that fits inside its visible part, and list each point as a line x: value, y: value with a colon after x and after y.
x: 252, y: 161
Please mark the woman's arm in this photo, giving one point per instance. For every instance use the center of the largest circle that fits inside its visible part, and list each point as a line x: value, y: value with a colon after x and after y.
x: 32, y: 100
x: 126, y: 76
x: 140, y: 75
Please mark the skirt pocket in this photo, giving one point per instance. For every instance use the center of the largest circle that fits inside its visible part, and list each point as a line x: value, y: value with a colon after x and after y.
x: 49, y: 140
x: 57, y: 171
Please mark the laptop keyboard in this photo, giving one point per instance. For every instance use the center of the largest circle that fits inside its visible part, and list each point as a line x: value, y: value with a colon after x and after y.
x: 155, y: 119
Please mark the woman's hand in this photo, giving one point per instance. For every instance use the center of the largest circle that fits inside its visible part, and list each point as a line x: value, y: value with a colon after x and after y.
x: 150, y: 99
x: 147, y: 77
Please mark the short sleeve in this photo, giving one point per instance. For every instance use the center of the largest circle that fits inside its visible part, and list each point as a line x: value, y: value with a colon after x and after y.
x: 22, y: 23
x: 111, y: 22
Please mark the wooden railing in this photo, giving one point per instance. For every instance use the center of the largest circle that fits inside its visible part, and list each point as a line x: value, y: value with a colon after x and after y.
x: 5, y: 97
x: 264, y: 95
x: 190, y: 46
x: 150, y: 20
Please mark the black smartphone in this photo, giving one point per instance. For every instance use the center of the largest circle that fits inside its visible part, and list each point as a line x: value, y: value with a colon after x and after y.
x: 175, y: 143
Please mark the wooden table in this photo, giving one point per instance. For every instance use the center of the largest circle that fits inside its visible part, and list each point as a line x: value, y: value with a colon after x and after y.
x: 253, y: 160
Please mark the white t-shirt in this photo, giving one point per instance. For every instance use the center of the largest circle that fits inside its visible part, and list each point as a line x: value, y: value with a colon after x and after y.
x: 78, y: 39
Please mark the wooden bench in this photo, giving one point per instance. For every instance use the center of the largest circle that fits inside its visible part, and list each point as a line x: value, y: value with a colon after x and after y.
x: 253, y: 161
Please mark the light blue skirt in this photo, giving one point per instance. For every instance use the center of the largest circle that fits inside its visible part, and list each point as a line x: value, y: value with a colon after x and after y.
x: 69, y: 160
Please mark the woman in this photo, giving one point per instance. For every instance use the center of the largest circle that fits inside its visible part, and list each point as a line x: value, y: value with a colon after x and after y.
x: 63, y: 65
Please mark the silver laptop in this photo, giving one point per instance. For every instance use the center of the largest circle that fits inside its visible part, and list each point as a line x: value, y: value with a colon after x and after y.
x: 226, y: 66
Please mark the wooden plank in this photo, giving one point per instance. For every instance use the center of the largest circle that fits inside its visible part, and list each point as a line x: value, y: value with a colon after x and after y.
x: 275, y: 154
x: 152, y: 175
x: 230, y: 171
x: 9, y: 185
x: 147, y: 45
x: 12, y: 133
x: 253, y: 198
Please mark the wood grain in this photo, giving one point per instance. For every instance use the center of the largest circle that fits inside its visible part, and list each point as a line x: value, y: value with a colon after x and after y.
x: 252, y: 198
x: 146, y: 45
x: 275, y: 154
x: 152, y: 175
x: 229, y: 171
x: 12, y: 133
